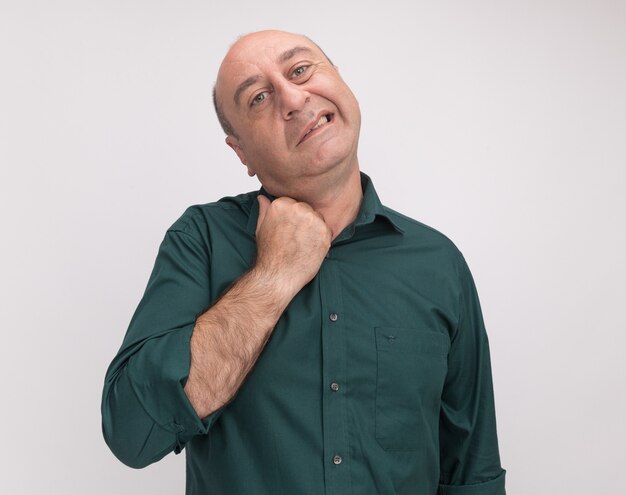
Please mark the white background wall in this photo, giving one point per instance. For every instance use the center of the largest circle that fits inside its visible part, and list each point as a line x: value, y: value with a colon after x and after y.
x: 500, y: 123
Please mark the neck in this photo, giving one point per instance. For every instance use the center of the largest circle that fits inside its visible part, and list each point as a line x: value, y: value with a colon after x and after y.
x: 340, y: 205
x: 337, y: 199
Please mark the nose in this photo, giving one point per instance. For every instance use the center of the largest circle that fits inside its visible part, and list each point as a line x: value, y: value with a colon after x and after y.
x: 292, y: 97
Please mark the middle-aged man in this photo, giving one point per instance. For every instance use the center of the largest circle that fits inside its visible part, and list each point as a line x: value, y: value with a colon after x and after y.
x: 304, y: 338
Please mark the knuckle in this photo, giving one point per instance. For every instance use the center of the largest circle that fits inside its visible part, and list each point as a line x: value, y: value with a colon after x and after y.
x: 304, y: 207
x: 282, y: 201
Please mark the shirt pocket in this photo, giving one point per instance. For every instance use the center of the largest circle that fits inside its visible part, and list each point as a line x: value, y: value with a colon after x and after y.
x: 411, y: 370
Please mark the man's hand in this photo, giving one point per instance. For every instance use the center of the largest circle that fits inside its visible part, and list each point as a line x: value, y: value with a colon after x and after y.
x: 292, y: 241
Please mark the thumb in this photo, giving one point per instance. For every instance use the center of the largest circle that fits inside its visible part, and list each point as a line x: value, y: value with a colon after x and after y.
x: 264, y: 204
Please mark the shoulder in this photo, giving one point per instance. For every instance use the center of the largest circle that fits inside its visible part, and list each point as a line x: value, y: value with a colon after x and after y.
x: 418, y: 232
x: 230, y: 211
x: 432, y: 246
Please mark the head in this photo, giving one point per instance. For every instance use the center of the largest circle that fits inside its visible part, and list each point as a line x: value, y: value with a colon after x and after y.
x: 287, y: 113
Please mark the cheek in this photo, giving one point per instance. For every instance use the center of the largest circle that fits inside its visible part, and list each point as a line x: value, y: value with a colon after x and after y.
x: 352, y: 102
x: 346, y: 102
x: 264, y: 148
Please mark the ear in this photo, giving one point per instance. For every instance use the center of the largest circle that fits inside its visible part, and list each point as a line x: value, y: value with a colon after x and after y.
x: 233, y: 142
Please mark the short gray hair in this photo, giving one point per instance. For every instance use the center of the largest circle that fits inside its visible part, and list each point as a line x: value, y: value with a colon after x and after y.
x: 226, y: 126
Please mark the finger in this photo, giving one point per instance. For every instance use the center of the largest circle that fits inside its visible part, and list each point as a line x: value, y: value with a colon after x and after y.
x: 264, y: 204
x: 319, y: 214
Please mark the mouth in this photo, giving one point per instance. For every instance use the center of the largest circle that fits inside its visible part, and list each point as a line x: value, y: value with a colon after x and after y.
x: 320, y: 123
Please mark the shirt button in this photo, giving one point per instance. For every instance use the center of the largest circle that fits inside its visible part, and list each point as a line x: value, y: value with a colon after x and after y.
x: 337, y: 459
x: 333, y: 316
x: 334, y: 386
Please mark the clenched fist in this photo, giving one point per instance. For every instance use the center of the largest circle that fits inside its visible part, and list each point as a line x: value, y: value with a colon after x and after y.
x: 292, y: 241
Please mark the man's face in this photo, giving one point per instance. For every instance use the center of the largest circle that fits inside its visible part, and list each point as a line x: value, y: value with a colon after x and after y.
x: 293, y: 115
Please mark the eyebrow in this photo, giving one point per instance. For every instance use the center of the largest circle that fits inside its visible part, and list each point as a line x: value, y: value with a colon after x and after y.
x: 282, y: 58
x: 243, y: 86
x: 293, y: 52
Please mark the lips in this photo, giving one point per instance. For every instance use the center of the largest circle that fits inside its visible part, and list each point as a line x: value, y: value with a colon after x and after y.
x: 320, y: 121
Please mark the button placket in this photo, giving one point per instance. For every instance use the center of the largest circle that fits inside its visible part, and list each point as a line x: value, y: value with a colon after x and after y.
x: 336, y: 443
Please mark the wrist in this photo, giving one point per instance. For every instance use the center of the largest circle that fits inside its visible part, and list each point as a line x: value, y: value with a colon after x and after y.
x: 278, y: 288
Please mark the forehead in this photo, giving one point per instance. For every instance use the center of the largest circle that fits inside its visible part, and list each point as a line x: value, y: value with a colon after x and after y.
x: 256, y: 54
x: 266, y: 46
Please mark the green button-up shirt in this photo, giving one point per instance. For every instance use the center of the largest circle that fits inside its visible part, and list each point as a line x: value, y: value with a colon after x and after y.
x: 375, y: 381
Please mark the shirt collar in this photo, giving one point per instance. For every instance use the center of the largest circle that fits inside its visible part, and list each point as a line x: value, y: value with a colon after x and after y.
x: 370, y: 209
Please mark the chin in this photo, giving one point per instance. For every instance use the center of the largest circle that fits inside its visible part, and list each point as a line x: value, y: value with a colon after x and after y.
x: 332, y: 154
x: 336, y: 165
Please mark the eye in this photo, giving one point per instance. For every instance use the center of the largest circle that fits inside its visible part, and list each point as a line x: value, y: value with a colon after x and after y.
x: 298, y: 71
x: 259, y: 98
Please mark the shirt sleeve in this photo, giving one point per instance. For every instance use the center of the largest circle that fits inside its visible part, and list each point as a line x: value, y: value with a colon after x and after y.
x: 469, y: 457
x: 145, y: 411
